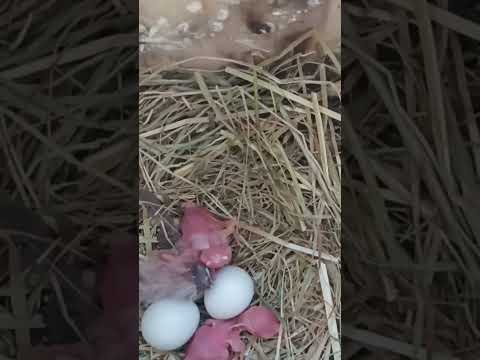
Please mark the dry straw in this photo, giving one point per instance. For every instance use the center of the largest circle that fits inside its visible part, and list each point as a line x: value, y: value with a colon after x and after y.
x: 412, y: 163
x: 67, y: 73
x: 261, y: 145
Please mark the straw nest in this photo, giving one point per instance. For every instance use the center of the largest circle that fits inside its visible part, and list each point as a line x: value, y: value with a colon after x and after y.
x: 261, y: 145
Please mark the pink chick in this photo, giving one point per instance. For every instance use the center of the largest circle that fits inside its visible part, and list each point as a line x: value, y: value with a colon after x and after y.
x: 181, y: 274
x: 215, y: 340
x: 259, y: 321
x: 166, y: 273
x: 220, y: 339
x: 204, y: 232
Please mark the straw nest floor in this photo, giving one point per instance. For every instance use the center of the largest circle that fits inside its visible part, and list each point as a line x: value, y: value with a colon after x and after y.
x: 261, y: 145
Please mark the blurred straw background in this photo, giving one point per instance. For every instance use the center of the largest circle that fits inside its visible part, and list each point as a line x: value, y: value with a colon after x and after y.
x: 411, y: 235
x: 261, y: 145
x: 68, y: 79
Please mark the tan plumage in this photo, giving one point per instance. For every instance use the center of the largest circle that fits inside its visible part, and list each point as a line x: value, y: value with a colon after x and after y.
x: 248, y: 31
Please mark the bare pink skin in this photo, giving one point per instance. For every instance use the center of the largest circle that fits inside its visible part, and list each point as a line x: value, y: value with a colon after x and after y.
x: 213, y: 341
x: 168, y: 273
x: 216, y: 257
x: 204, y: 232
x: 164, y: 273
x: 259, y: 321
x: 220, y: 339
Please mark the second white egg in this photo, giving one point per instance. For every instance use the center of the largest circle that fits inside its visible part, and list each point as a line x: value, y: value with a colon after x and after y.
x: 230, y: 294
x: 169, y: 323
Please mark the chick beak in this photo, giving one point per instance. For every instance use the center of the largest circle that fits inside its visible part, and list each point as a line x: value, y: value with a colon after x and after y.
x: 201, y: 277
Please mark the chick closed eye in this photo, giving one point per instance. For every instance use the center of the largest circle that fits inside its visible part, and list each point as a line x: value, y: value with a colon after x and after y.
x: 259, y: 27
x: 205, y: 233
x: 201, y: 277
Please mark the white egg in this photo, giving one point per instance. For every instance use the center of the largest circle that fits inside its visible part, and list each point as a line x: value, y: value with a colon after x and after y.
x: 168, y: 324
x: 230, y: 294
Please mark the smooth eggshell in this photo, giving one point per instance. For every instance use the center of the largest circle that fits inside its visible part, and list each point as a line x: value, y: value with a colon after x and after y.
x: 168, y: 324
x: 230, y: 294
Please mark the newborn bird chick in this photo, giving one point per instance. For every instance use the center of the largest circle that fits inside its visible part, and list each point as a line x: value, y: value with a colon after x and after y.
x: 221, y: 339
x: 206, y: 235
x: 168, y: 274
x: 185, y: 272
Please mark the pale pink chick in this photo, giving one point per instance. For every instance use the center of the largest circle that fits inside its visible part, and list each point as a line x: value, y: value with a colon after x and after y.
x: 204, y: 232
x: 220, y: 339
x: 166, y: 273
x: 204, y: 243
x: 215, y: 340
